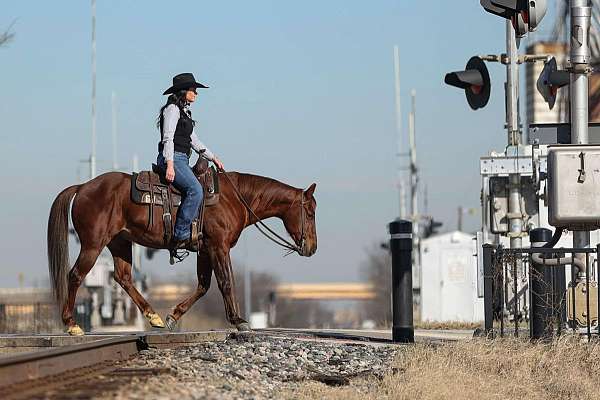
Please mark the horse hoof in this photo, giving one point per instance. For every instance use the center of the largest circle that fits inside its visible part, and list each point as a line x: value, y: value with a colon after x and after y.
x: 243, y: 327
x: 75, y: 330
x: 171, y: 323
x: 155, y: 320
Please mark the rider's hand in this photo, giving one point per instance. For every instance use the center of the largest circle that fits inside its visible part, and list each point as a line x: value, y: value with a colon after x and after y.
x: 219, y: 164
x: 170, y: 175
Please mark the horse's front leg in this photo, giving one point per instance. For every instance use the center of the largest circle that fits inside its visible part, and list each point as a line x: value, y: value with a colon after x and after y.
x: 224, y: 274
x: 204, y: 269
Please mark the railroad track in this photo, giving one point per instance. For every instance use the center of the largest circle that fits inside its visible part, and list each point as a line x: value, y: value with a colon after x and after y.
x: 66, y: 360
x: 59, y: 362
x: 22, y: 375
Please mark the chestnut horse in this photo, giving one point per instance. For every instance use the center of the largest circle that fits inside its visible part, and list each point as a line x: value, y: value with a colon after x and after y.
x: 104, y: 215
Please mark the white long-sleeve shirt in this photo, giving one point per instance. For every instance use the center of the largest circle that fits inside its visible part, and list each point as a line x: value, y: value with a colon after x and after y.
x: 171, y: 116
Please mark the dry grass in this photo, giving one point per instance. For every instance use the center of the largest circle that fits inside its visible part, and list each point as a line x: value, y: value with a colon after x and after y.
x: 480, y: 369
x: 447, y: 325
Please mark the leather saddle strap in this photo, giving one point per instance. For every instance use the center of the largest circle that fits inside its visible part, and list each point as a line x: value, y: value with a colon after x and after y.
x: 167, y: 219
x: 151, y: 209
x: 202, y: 207
x: 171, y: 210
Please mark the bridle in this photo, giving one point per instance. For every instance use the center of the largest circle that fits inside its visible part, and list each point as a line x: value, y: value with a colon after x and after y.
x: 277, y: 239
x: 302, y: 218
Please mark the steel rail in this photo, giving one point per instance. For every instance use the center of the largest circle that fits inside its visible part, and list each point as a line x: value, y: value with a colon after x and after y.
x: 45, y: 363
x: 311, y: 333
x: 361, y: 336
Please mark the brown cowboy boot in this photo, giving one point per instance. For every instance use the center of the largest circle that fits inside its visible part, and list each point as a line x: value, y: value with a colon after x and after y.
x: 192, y: 245
x: 183, y: 244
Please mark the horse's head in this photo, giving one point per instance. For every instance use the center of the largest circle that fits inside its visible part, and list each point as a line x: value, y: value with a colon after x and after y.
x: 299, y: 221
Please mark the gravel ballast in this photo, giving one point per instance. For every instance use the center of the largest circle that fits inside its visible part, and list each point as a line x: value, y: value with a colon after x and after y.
x: 253, y: 366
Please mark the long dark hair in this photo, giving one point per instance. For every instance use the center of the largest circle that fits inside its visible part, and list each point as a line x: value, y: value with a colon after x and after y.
x: 178, y: 99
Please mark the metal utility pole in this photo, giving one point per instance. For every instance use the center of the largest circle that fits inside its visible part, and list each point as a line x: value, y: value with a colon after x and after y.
x: 414, y: 178
x: 137, y: 251
x: 414, y: 181
x: 425, y: 200
x: 115, y: 164
x: 580, y: 58
x: 512, y: 87
x: 137, y: 263
x: 401, y: 194
x: 515, y: 216
x: 93, y: 155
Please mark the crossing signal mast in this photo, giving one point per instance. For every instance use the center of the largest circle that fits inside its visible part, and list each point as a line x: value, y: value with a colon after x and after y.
x: 550, y: 167
x: 506, y: 206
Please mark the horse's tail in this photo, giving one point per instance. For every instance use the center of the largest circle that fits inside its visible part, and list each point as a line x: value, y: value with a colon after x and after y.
x: 58, y: 243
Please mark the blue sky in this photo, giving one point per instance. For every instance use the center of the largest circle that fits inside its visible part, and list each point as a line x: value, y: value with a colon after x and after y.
x: 300, y: 91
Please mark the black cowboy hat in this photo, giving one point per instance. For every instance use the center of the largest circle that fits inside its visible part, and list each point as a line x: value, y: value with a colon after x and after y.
x: 184, y: 81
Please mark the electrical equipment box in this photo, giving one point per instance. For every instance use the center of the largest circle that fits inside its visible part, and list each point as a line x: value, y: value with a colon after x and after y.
x: 574, y: 186
x: 578, y: 296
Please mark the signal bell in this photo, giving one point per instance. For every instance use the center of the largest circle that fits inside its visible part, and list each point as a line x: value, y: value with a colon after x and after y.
x: 475, y: 80
x: 550, y: 80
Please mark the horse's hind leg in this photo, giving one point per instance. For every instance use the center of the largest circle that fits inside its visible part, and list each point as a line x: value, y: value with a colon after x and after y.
x: 121, y: 252
x: 83, y: 265
x: 204, y: 269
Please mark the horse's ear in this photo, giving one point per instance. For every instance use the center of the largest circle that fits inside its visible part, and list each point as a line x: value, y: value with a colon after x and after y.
x: 311, y: 189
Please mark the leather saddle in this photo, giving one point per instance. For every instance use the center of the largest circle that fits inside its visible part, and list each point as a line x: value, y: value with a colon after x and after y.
x: 152, y: 188
x: 147, y: 187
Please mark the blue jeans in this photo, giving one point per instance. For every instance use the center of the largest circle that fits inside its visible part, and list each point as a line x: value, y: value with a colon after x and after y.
x: 191, y: 191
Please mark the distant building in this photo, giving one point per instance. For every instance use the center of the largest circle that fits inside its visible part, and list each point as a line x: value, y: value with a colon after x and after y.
x: 449, y: 285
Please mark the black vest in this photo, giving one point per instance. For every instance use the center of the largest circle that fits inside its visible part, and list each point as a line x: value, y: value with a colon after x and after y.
x: 182, y: 139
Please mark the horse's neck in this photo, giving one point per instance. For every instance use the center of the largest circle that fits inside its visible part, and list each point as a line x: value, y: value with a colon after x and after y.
x: 267, y: 197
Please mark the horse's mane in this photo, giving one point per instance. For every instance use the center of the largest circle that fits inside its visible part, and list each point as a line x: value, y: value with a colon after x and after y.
x: 265, y: 188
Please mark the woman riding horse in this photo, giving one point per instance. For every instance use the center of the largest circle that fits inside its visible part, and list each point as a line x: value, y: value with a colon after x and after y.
x: 104, y: 215
x: 177, y: 139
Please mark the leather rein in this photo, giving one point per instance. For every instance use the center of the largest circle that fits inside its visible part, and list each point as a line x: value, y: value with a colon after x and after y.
x: 277, y: 239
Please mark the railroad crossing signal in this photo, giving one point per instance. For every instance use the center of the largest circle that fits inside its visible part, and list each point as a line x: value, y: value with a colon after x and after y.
x: 525, y: 15
x: 475, y: 80
x: 550, y: 80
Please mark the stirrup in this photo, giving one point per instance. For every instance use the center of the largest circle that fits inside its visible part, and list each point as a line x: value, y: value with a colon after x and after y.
x: 177, y: 255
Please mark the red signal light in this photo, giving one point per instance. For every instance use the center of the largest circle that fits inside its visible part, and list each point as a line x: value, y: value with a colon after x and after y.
x: 476, y: 89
